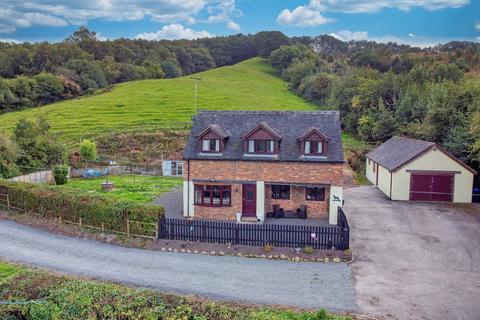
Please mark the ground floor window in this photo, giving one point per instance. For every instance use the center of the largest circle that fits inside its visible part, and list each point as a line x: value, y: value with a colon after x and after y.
x: 315, y: 193
x: 213, y: 195
x: 280, y: 192
x: 172, y: 168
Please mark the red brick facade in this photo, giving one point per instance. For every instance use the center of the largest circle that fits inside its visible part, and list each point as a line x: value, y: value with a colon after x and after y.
x: 235, y: 173
x: 315, y: 209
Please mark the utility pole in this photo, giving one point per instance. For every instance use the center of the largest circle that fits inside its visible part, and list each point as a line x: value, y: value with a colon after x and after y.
x: 197, y: 81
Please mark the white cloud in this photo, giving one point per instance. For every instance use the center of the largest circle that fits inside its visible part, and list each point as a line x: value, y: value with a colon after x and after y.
x: 173, y: 32
x: 224, y: 11
x: 412, y: 39
x: 363, y: 6
x: 347, y: 35
x: 100, y: 36
x: 312, y: 13
x: 233, y: 26
x: 302, y: 16
x: 16, y: 14
x: 477, y: 26
x: 13, y: 41
x: 478, y: 39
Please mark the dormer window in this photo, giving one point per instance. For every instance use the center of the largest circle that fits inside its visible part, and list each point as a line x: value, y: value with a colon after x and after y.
x: 212, y: 139
x: 313, y: 147
x: 261, y: 146
x: 261, y: 140
x: 211, y: 145
x: 313, y: 143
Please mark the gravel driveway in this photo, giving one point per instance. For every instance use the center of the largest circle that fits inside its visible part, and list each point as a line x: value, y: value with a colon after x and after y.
x: 414, y: 260
x: 306, y: 285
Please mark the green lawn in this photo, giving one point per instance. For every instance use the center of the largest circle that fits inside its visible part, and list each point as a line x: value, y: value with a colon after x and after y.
x: 135, y: 188
x: 150, y: 104
x: 352, y: 142
x: 8, y: 271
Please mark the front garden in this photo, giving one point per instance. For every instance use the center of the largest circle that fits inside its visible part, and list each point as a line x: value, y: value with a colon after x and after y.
x: 142, y: 189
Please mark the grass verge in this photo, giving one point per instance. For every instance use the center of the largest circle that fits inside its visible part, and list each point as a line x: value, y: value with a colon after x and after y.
x: 61, y: 297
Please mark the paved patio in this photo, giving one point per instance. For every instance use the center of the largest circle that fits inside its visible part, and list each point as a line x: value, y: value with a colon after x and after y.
x: 294, y: 221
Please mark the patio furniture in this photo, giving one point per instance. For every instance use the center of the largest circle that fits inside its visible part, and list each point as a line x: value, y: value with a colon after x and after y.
x: 302, y: 211
x: 278, y: 212
x: 290, y: 214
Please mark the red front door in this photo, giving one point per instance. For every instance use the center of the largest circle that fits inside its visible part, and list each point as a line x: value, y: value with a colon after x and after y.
x: 431, y: 187
x: 249, y: 206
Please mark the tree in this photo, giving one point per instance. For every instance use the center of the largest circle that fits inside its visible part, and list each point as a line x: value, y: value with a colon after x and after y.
x: 284, y: 56
x: 459, y: 141
x: 48, y: 88
x: 267, y: 41
x: 317, y: 88
x: 88, y: 151
x: 8, y: 158
x: 37, y: 148
x: 297, y: 71
x: 441, y: 113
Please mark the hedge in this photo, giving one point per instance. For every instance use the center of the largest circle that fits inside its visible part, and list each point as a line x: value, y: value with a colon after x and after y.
x: 94, y: 210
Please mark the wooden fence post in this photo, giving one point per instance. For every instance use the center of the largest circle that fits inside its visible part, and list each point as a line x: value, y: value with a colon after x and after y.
x: 8, y: 201
x: 80, y: 221
x: 172, y: 230
x: 157, y: 229
x: 59, y: 218
x: 103, y: 227
x: 237, y: 234
x: 128, y: 227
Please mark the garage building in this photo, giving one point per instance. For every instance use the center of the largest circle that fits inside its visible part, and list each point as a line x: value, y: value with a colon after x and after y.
x: 409, y: 169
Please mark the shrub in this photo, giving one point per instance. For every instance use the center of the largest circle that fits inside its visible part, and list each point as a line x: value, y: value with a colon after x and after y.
x: 308, y: 249
x: 60, y: 174
x: 95, y: 210
x: 267, y: 248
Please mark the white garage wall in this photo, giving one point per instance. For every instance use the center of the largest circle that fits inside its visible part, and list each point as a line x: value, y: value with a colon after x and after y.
x: 434, y: 160
x: 369, y: 171
x: 384, y: 180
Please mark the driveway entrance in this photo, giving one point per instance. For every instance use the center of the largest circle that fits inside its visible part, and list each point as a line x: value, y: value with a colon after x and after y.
x: 414, y: 260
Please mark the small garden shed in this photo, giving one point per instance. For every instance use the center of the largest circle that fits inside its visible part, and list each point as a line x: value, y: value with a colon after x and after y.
x: 416, y: 170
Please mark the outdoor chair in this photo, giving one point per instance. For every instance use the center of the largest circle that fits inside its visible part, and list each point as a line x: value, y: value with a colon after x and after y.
x: 302, y: 211
x: 278, y: 212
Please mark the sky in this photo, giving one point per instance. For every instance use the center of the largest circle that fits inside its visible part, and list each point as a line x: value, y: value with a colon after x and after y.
x: 414, y: 22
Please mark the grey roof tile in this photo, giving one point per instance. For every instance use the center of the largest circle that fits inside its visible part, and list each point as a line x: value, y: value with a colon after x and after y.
x: 397, y: 151
x: 288, y: 124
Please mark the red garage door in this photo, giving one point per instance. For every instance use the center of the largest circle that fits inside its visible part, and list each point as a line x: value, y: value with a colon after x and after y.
x: 431, y: 187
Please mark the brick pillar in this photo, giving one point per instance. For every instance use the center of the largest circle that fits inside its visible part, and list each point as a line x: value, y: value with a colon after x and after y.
x: 336, y: 200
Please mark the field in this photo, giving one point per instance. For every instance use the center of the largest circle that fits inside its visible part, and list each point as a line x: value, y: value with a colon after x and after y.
x: 128, y: 187
x: 152, y: 104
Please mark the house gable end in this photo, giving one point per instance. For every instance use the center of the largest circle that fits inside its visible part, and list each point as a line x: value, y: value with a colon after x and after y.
x: 431, y: 149
x: 263, y: 132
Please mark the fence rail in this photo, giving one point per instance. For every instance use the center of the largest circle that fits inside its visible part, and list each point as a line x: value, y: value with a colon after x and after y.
x: 319, y: 237
x: 131, y: 226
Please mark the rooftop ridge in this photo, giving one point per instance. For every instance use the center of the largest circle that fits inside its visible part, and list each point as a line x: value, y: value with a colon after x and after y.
x: 412, y: 139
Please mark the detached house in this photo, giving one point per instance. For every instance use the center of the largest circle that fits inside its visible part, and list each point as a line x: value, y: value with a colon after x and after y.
x: 263, y: 164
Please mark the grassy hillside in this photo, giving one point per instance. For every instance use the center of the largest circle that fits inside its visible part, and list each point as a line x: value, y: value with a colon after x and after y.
x: 151, y: 104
